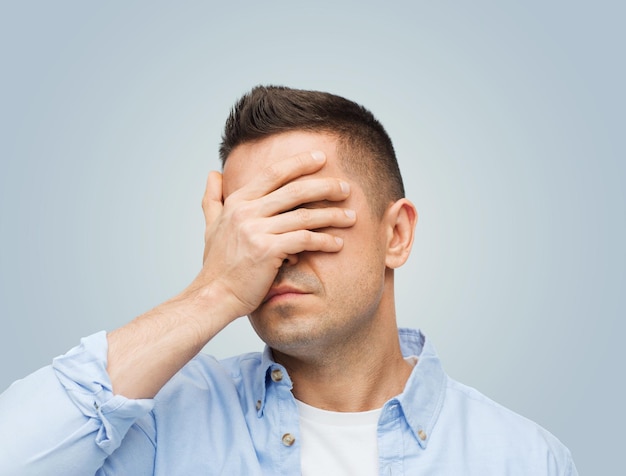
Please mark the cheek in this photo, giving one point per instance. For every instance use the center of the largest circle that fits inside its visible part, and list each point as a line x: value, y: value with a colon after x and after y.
x: 360, y: 261
x: 365, y: 241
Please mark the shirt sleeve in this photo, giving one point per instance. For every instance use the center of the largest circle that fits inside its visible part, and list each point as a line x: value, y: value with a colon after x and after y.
x: 571, y: 467
x: 64, y: 418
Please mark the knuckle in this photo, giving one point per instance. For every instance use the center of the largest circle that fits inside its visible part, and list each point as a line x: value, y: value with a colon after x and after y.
x: 293, y: 189
x: 271, y: 172
x: 306, y: 237
x: 302, y: 160
x: 329, y: 188
x: 259, y: 247
x: 241, y: 214
x: 255, y: 242
x: 336, y: 217
x: 303, y: 215
x: 338, y: 188
x: 250, y: 230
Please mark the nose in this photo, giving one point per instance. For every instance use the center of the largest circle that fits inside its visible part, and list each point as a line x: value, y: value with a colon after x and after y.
x: 290, y: 260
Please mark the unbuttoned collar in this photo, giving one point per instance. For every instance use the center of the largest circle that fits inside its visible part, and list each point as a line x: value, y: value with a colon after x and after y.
x: 423, y: 395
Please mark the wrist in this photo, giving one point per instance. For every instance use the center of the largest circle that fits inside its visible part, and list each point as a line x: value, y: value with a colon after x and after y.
x: 209, y: 307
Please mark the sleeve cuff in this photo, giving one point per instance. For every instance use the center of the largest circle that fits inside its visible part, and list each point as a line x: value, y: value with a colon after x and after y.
x: 82, y: 372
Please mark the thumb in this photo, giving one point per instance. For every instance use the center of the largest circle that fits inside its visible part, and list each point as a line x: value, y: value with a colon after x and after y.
x: 212, y: 201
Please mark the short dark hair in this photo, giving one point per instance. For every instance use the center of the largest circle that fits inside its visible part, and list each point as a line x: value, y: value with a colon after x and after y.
x: 364, y: 146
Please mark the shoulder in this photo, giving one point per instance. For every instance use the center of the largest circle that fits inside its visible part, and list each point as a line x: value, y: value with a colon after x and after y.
x: 205, y: 375
x: 487, y: 424
x: 207, y: 390
x: 205, y: 372
x: 472, y: 405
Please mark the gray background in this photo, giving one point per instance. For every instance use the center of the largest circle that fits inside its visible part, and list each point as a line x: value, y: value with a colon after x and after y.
x: 508, y: 120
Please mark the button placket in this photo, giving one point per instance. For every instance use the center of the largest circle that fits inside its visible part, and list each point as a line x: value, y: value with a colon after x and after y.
x: 281, y: 409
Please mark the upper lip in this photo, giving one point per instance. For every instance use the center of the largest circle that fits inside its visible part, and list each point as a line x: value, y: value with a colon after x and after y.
x: 281, y: 289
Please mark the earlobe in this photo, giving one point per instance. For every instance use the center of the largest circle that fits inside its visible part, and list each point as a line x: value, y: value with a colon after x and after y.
x: 401, y: 218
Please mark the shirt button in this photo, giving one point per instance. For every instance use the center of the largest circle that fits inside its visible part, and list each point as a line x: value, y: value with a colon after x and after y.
x: 422, y: 435
x: 258, y: 405
x: 277, y: 375
x: 288, y: 439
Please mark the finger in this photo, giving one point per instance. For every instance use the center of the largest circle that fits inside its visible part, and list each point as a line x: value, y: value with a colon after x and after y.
x: 212, y: 201
x: 298, y: 193
x: 279, y: 173
x: 311, y: 219
x: 304, y: 240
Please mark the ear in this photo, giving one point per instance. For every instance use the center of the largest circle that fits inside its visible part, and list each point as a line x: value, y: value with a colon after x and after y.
x: 400, y: 219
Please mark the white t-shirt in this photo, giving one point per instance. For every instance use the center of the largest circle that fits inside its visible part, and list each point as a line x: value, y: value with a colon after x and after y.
x: 339, y: 443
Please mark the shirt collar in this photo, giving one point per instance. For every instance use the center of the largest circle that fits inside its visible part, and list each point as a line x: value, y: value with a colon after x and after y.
x: 423, y: 395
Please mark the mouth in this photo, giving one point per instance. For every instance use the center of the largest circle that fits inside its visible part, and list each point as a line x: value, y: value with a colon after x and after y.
x: 282, y: 291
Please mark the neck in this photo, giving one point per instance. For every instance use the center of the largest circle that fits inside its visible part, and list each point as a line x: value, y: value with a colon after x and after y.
x: 358, y: 375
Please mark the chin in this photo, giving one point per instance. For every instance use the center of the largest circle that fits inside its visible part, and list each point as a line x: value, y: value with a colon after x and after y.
x: 288, y: 333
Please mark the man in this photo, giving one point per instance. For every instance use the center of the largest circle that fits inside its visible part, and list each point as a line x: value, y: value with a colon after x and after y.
x: 304, y: 230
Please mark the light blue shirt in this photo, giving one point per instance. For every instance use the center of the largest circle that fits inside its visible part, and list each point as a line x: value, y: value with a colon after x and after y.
x: 239, y: 417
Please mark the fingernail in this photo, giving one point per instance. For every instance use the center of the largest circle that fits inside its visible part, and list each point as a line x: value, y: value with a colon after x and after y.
x: 345, y: 187
x: 350, y: 213
x: 318, y: 155
x: 338, y: 240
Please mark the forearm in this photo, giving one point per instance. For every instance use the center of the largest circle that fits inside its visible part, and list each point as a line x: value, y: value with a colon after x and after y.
x: 146, y: 353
